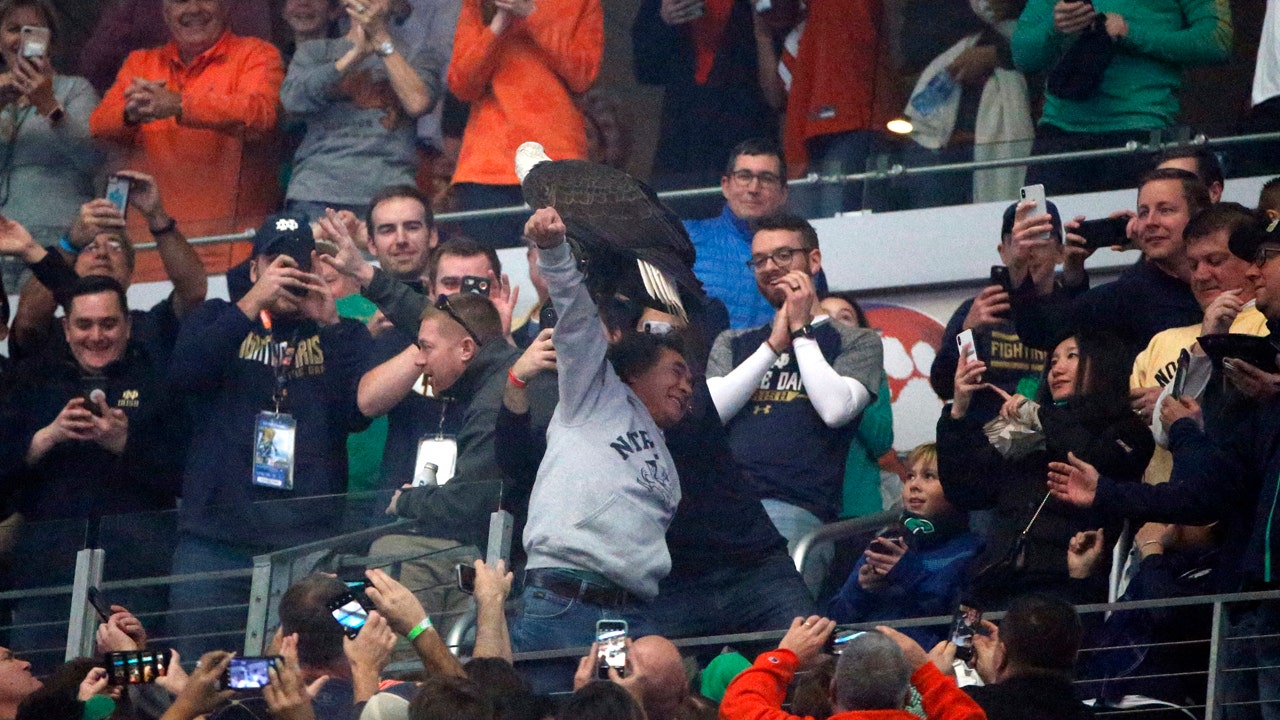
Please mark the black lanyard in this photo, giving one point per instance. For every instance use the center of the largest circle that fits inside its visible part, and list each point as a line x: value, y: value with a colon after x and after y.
x: 281, y: 360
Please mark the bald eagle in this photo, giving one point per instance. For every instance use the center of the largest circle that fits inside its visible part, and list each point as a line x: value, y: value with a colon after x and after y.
x: 628, y: 241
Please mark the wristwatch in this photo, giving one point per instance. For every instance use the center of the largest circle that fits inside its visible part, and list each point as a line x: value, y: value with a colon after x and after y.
x: 386, y: 48
x: 805, y: 331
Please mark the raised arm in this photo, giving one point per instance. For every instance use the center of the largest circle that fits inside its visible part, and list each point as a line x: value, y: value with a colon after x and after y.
x: 181, y: 263
x: 383, y: 387
x: 1206, y: 37
x: 581, y: 346
x: 477, y: 50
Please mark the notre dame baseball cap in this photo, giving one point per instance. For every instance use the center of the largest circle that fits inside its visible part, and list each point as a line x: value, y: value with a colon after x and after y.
x: 286, y: 234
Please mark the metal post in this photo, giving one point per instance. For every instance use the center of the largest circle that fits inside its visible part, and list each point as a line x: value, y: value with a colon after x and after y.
x: 255, y: 630
x: 82, y: 623
x: 1216, y: 636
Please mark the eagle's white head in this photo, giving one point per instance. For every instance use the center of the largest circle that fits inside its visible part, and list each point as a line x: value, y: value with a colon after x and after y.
x: 528, y: 155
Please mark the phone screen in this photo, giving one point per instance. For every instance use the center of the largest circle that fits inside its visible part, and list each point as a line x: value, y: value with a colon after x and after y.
x: 968, y: 619
x: 135, y: 667
x: 349, y: 613
x: 611, y: 636
x: 118, y: 193
x: 249, y: 673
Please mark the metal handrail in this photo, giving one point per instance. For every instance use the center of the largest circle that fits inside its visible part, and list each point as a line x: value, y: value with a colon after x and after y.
x: 1155, y: 145
x: 838, y: 530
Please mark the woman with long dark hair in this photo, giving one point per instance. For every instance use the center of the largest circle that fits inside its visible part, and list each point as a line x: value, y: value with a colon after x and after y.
x: 1081, y: 409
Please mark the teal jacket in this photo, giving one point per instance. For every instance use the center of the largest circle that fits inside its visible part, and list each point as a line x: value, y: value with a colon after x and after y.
x: 1139, y: 88
x: 862, y: 469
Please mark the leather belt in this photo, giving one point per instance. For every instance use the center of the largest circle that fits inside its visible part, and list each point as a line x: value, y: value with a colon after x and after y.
x: 570, y: 587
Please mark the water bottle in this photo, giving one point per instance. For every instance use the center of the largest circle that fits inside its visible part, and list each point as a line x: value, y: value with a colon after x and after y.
x: 939, y: 89
x: 426, y: 475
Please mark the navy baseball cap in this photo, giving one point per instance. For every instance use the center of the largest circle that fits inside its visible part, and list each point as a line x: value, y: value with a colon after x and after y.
x: 1244, y: 245
x: 285, y: 234
x: 1006, y: 226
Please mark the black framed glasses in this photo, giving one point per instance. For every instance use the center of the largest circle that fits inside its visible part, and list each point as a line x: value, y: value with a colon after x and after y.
x: 781, y: 257
x: 442, y: 303
x: 767, y: 179
x: 1265, y: 253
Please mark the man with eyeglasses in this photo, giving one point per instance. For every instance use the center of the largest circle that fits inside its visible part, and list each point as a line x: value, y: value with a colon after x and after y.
x: 754, y: 185
x: 97, y: 244
x: 461, y: 347
x: 790, y: 390
x: 1228, y: 474
x: 272, y: 380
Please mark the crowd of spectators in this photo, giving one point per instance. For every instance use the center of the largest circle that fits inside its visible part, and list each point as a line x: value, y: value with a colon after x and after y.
x: 651, y: 468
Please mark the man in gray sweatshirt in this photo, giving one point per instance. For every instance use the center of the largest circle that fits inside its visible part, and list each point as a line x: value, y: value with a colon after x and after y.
x: 607, y: 487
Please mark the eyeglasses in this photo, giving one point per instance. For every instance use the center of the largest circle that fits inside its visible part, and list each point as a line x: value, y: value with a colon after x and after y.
x: 1265, y: 253
x: 442, y: 303
x: 111, y: 246
x: 780, y: 257
x: 767, y: 179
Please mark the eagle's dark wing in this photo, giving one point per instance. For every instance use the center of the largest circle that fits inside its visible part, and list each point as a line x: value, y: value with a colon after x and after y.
x: 615, y: 219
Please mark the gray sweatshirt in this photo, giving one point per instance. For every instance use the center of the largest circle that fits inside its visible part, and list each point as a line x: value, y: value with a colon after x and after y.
x: 607, y: 487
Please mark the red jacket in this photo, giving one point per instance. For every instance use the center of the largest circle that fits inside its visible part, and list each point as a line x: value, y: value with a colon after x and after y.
x: 758, y: 692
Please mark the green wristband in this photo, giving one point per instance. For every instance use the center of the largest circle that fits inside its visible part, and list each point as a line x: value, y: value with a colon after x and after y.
x: 419, y: 629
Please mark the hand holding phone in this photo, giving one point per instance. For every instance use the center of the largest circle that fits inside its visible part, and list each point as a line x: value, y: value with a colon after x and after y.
x: 611, y: 641
x: 1036, y: 194
x: 350, y: 612
x: 118, y: 193
x: 250, y: 673
x: 1104, y: 232
x: 966, y: 623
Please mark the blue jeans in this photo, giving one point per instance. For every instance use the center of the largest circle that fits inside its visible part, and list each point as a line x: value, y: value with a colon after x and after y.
x: 223, y: 629
x: 731, y: 599
x: 795, y: 522
x: 550, y: 621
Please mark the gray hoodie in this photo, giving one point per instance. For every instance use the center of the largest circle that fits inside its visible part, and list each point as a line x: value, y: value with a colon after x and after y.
x: 607, y: 487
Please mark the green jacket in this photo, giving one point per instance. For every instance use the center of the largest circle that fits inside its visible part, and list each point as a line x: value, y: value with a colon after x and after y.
x: 1139, y: 87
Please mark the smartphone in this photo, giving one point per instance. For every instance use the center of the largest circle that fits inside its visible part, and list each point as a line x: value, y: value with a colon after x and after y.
x: 135, y: 667
x: 835, y: 646
x: 118, y: 193
x: 656, y: 327
x: 1036, y: 192
x: 1000, y: 276
x: 91, y: 391
x: 35, y: 41
x: 99, y: 603
x: 611, y: 636
x: 349, y: 612
x: 1104, y: 232
x: 547, y: 317
x: 475, y: 284
x: 249, y: 673
x: 466, y: 577
x: 966, y: 624
x: 1180, y: 375
x: 966, y: 338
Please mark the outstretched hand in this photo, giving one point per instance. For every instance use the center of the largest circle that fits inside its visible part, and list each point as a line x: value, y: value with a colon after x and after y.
x: 1074, y: 482
x: 807, y: 637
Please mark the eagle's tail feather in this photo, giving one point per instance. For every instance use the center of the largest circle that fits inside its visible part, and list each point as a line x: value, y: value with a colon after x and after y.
x: 661, y: 288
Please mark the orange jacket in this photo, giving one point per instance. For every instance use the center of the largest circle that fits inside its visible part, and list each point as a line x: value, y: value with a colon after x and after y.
x: 520, y: 85
x: 216, y: 165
